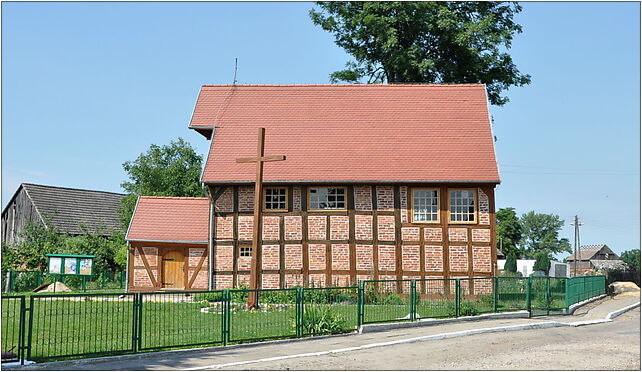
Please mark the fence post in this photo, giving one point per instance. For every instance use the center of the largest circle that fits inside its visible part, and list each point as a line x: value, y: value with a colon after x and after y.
x: 30, y: 328
x: 495, y: 293
x: 360, y: 303
x: 567, y: 293
x: 457, y: 297
x: 12, y: 281
x: 413, y: 300
x: 102, y: 280
x: 21, y: 334
x: 548, y: 295
x: 299, y: 312
x: 39, y: 279
x: 528, y: 295
x: 122, y: 280
x: 135, y: 321
x: 227, y: 298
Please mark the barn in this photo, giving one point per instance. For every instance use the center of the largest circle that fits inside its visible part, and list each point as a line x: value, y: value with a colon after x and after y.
x: 380, y: 182
x: 69, y: 210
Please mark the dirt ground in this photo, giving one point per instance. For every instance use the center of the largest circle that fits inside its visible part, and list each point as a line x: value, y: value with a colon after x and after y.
x: 609, y: 346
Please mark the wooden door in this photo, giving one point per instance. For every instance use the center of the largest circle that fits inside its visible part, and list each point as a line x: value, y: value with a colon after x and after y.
x: 174, y: 270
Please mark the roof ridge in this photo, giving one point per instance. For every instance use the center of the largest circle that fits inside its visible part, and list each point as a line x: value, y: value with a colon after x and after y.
x: 71, y: 188
x: 174, y: 197
x: 345, y: 85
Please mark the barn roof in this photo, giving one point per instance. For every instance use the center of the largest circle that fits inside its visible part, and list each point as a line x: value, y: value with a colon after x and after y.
x: 68, y: 209
x: 582, y: 255
x: 586, y: 252
x: 170, y: 219
x: 352, y: 133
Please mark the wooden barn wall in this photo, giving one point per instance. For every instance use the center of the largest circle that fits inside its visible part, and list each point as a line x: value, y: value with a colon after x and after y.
x: 373, y: 239
x: 20, y: 211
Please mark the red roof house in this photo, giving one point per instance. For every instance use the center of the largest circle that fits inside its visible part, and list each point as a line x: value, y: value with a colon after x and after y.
x: 380, y: 181
x: 168, y: 240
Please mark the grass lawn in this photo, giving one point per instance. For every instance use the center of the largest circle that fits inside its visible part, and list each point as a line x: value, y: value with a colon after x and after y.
x: 63, y: 327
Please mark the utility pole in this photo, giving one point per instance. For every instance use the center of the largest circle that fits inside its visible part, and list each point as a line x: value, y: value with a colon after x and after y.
x: 577, y: 225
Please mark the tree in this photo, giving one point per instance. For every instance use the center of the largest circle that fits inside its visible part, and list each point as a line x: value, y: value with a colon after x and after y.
x: 39, y: 240
x: 632, y: 258
x: 429, y: 42
x: 542, y: 262
x: 97, y: 243
x: 540, y: 233
x: 509, y: 231
x: 169, y: 170
x: 511, y: 263
x: 36, y: 241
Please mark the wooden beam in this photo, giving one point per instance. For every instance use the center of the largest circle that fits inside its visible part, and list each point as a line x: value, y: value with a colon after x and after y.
x: 262, y: 159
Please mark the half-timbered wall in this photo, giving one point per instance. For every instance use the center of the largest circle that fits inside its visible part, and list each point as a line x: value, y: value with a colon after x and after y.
x: 374, y: 238
x: 145, y: 265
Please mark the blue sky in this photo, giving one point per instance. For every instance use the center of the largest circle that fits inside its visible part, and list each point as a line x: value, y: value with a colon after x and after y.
x: 88, y: 86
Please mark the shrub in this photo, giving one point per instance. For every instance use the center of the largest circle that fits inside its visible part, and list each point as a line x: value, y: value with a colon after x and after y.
x: 511, y: 263
x: 209, y: 297
x: 278, y: 297
x: 392, y: 299
x: 542, y: 262
x: 468, y: 308
x: 322, y: 319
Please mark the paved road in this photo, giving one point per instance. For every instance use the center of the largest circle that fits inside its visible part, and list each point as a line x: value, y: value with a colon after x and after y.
x: 613, y: 345
x: 607, y: 346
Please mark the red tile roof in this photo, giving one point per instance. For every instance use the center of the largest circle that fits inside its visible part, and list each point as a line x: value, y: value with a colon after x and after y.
x: 354, y: 133
x: 170, y: 219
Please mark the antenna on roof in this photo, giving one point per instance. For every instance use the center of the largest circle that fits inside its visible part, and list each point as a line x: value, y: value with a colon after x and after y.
x: 236, y: 62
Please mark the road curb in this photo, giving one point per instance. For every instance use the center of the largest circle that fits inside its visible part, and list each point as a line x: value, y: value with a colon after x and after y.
x: 439, y: 336
x: 616, y: 313
x: 572, y: 308
x: 139, y: 355
x: 369, y: 328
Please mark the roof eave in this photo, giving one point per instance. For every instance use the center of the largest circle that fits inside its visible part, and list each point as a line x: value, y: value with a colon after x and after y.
x: 495, y: 182
x: 168, y: 241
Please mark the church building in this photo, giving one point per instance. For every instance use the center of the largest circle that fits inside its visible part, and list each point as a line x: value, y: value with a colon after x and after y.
x: 379, y: 182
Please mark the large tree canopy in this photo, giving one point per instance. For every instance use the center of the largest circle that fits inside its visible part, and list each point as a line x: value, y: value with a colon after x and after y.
x: 168, y: 170
x: 430, y: 42
x: 540, y: 234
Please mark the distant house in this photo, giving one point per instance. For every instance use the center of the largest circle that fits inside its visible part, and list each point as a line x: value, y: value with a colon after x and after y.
x: 594, y: 257
x: 65, y: 208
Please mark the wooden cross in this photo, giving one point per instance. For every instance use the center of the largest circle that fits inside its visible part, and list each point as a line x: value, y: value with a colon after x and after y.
x: 255, y: 276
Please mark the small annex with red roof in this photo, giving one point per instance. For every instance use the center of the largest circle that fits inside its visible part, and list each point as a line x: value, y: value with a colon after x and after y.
x: 380, y: 182
x: 168, y: 237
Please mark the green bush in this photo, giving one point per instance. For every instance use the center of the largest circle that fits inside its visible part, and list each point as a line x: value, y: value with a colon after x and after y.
x: 468, y: 308
x: 209, y: 297
x: 322, y: 319
x: 393, y: 299
x: 511, y: 263
x: 278, y: 297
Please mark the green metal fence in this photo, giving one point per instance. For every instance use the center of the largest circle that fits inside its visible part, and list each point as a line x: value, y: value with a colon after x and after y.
x: 64, y: 325
x: 26, y: 281
x: 410, y: 300
x: 13, y: 325
x: 581, y: 288
x: 328, y: 310
x: 45, y: 327
x: 180, y: 319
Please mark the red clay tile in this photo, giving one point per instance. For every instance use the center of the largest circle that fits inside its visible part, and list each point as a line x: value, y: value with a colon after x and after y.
x: 172, y: 219
x: 353, y: 133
